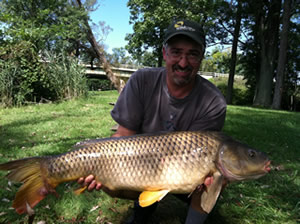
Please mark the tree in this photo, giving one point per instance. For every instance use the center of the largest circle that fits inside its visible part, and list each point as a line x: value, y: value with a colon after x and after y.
x: 268, y: 29
x: 51, y: 25
x: 216, y: 61
x: 148, y: 59
x: 234, y: 52
x: 119, y: 57
x: 291, y: 86
x: 282, y: 55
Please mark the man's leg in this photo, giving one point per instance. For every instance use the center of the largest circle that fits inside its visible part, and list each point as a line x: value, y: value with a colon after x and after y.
x: 194, y: 216
x: 141, y: 215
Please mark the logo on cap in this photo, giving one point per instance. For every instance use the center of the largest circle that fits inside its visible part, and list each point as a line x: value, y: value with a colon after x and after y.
x: 180, y: 26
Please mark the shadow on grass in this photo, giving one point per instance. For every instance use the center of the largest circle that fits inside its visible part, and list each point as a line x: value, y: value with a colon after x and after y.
x: 15, y: 141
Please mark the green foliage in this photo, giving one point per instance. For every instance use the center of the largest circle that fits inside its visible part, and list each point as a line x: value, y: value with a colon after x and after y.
x: 148, y: 59
x: 241, y: 94
x: 51, y: 25
x: 25, y: 78
x: 22, y: 76
x: 119, y: 57
x: 29, y: 29
x: 7, y: 77
x: 217, y: 61
x: 99, y: 84
x: 50, y: 129
x: 66, y: 76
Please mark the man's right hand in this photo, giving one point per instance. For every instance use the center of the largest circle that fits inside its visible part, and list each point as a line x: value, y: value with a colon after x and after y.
x: 90, y: 182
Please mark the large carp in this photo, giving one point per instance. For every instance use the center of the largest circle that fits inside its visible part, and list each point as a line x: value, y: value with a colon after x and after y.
x: 153, y: 164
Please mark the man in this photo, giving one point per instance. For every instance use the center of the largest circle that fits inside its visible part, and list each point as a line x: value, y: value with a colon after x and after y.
x: 173, y: 98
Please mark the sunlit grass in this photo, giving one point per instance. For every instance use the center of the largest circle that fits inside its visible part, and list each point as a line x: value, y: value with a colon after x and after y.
x: 49, y: 129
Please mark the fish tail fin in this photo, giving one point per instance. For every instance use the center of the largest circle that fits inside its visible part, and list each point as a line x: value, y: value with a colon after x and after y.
x: 33, y: 174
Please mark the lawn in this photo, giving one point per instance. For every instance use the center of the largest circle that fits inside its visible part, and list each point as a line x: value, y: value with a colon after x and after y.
x: 49, y: 129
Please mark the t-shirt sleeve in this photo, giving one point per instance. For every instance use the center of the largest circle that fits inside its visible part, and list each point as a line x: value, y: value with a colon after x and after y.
x: 128, y: 110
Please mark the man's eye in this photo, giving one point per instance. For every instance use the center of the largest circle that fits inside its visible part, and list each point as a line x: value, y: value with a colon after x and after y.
x: 175, y: 53
x: 195, y: 55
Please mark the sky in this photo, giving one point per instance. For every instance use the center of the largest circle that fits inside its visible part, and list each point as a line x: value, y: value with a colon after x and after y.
x: 115, y: 14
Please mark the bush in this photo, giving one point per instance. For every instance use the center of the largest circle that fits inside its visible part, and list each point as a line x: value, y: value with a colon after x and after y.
x: 22, y: 76
x: 7, y: 77
x: 66, y: 76
x: 241, y: 94
x: 25, y: 78
x: 100, y: 84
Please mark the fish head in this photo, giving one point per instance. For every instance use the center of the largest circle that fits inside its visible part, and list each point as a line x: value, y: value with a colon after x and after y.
x: 238, y: 161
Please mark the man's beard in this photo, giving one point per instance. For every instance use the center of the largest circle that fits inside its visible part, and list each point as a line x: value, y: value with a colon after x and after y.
x: 179, y: 80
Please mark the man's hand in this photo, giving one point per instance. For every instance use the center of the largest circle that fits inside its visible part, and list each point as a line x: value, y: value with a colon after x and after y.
x: 90, y: 182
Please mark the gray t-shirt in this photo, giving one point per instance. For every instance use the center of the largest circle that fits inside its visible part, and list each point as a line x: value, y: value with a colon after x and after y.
x: 145, y: 105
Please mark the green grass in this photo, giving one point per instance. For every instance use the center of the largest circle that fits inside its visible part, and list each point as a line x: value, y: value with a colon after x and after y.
x: 49, y: 129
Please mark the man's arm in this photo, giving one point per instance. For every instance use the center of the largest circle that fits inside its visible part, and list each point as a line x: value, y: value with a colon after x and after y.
x: 122, y: 131
x: 90, y: 180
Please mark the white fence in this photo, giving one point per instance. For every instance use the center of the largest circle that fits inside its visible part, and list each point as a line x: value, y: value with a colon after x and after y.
x: 125, y: 73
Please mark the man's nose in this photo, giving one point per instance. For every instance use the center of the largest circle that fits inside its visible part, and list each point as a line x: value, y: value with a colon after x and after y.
x: 183, y: 61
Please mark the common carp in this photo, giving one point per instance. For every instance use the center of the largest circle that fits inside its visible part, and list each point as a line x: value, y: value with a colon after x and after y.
x: 154, y: 164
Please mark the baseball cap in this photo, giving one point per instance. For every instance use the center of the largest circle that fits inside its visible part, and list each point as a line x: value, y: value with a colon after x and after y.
x: 188, y: 28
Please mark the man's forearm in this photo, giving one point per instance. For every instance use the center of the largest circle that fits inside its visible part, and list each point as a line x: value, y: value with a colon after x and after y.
x: 122, y: 131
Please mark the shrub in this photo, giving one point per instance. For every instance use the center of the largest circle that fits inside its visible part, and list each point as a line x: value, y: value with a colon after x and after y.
x: 241, y: 94
x: 25, y: 78
x: 100, y: 84
x: 22, y: 76
x: 66, y: 76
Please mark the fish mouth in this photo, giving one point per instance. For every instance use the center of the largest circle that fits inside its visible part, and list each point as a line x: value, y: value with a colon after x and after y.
x: 267, y: 167
x: 234, y: 177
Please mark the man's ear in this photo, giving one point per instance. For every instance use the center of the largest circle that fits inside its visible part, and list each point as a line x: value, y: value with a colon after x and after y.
x: 164, y: 52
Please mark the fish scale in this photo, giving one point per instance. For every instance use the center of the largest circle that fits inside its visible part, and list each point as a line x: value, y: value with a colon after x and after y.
x: 153, y: 164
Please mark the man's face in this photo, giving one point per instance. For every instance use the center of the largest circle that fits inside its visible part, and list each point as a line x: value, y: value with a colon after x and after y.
x: 183, y: 57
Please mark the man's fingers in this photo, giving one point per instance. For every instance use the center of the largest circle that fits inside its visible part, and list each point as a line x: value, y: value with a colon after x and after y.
x: 90, y: 182
x: 80, y: 180
x: 92, y: 185
x: 98, y: 186
x: 208, y: 181
x: 88, y: 179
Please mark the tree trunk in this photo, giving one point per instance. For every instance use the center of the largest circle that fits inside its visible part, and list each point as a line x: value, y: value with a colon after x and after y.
x: 282, y: 55
x: 268, y: 32
x: 117, y: 82
x: 236, y: 35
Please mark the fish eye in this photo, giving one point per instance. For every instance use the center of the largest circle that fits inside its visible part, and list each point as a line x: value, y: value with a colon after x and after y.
x: 251, y: 153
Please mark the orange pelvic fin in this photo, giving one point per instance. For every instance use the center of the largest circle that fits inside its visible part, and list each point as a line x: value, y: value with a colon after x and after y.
x: 80, y: 190
x: 35, y: 186
x: 147, y: 198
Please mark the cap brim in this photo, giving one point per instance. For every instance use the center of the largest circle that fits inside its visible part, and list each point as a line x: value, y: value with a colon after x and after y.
x: 185, y: 34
